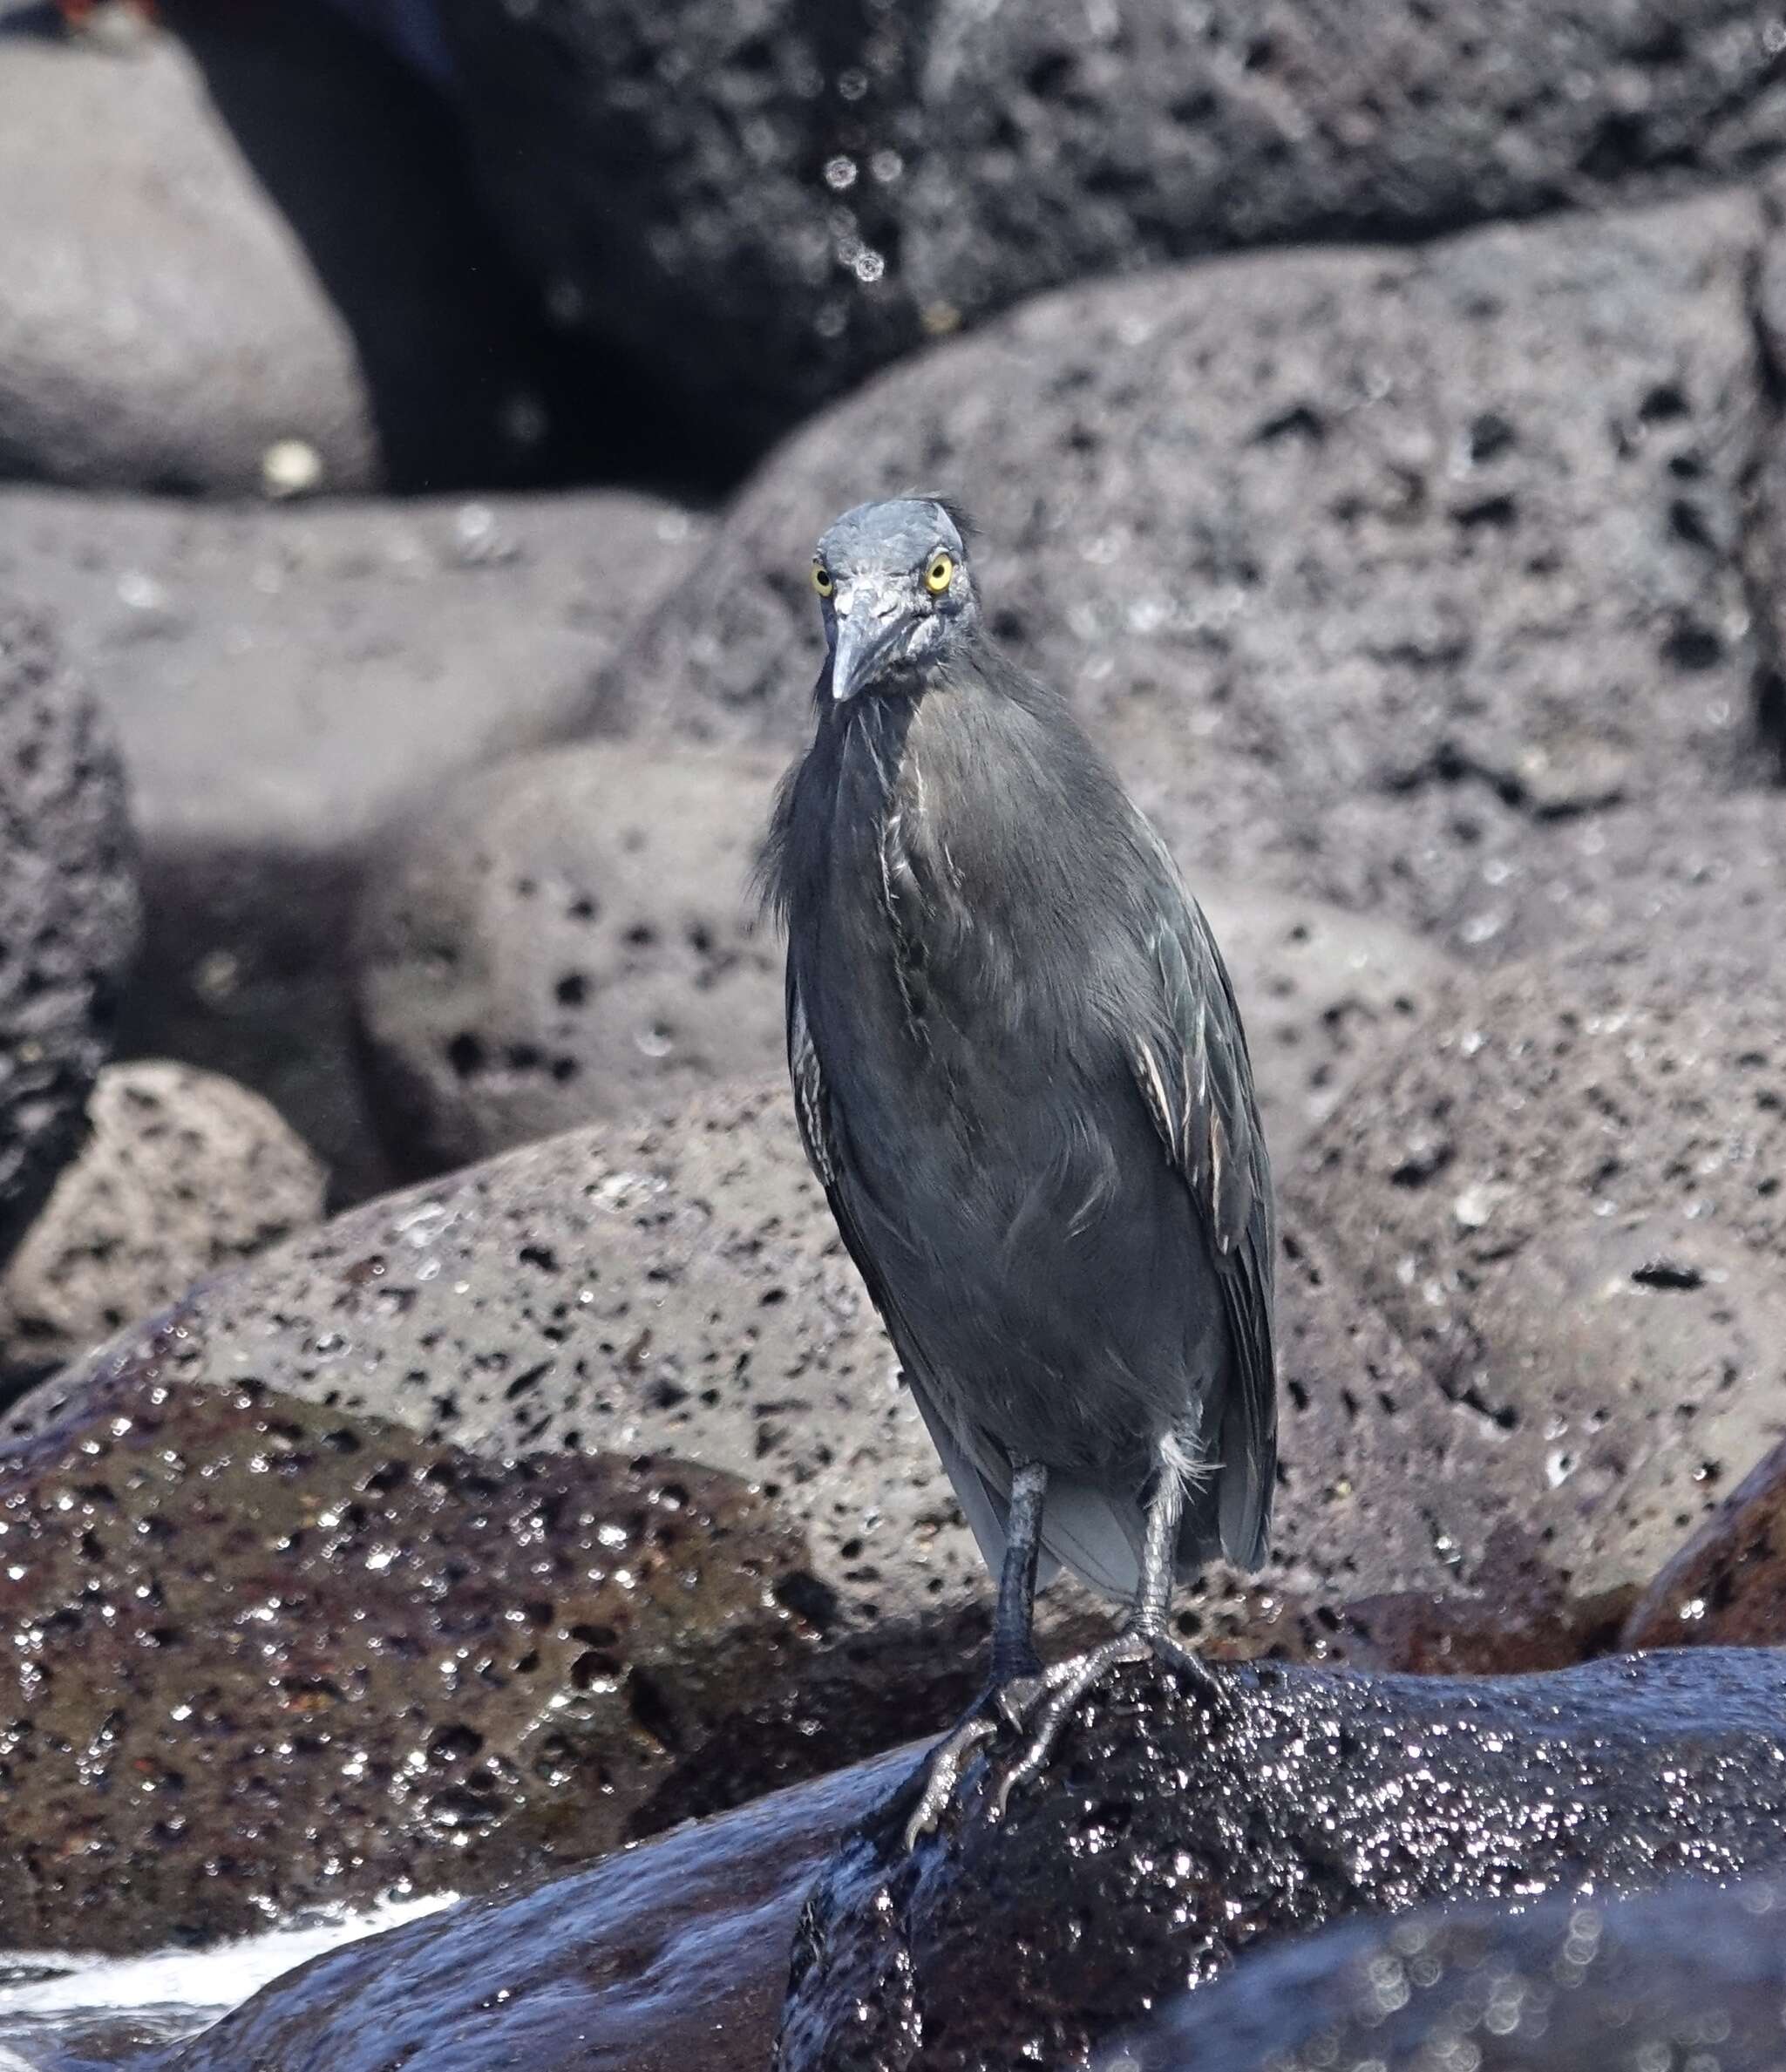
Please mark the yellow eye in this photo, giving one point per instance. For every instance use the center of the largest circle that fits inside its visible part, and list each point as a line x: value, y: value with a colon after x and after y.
x: 821, y: 579
x: 940, y: 573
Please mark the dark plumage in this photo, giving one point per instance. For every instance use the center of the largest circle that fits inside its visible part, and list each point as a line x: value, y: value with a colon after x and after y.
x: 1021, y: 1079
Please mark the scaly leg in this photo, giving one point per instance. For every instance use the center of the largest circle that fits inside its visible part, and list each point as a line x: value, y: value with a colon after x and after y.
x: 1016, y: 1680
x: 1144, y: 1635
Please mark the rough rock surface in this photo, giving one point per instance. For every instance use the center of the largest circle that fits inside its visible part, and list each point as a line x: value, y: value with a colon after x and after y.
x: 1169, y: 1834
x: 68, y: 910
x: 676, y: 1286
x: 1726, y: 1586
x: 771, y: 199
x: 190, y: 309
x: 1564, y: 1194
x: 574, y: 935
x: 182, y: 1173
x: 592, y: 1970
x: 569, y: 936
x: 1063, y: 142
x: 1388, y: 575
x: 258, y: 1655
x: 1685, y: 1976
x: 283, y: 683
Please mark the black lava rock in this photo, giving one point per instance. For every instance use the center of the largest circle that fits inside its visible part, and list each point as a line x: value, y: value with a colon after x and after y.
x: 1688, y: 1976
x: 68, y: 911
x: 1170, y: 1833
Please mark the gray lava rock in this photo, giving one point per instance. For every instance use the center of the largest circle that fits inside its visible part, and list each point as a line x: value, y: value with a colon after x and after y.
x: 183, y: 1174
x: 1726, y: 1586
x: 68, y: 910
x: 677, y: 1287
x: 1564, y: 1194
x: 285, y: 682
x: 259, y: 1655
x: 1689, y: 1975
x: 1393, y: 577
x: 770, y: 199
x: 570, y: 936
x: 189, y: 308
x: 672, y: 1957
x: 1063, y: 142
x: 1170, y: 1833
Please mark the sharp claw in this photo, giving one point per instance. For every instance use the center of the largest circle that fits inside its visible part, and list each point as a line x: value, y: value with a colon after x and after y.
x: 944, y: 1773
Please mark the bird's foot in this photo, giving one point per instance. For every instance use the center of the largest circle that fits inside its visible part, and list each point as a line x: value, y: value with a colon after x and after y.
x: 1064, y: 1687
x: 1007, y: 1704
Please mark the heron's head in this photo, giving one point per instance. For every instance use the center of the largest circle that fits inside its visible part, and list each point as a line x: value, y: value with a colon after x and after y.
x: 894, y: 585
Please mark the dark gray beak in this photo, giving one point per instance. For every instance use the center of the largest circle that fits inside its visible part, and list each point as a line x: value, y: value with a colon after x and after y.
x: 866, y: 636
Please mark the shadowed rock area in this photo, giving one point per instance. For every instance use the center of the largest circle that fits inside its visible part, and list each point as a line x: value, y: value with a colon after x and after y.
x: 259, y: 1655
x: 1688, y: 1976
x: 1726, y: 1586
x: 68, y: 910
x: 1171, y: 1834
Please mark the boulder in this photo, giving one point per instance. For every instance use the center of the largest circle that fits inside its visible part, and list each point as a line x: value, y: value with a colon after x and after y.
x: 671, y: 1957
x: 1394, y: 577
x: 1061, y: 144
x: 182, y: 1174
x: 568, y: 936
x: 68, y: 909
x: 1686, y: 1975
x: 260, y: 1655
x: 575, y: 934
x: 285, y: 682
x: 769, y: 200
x: 1563, y: 1193
x: 190, y: 309
x: 676, y: 1288
x: 1171, y: 1833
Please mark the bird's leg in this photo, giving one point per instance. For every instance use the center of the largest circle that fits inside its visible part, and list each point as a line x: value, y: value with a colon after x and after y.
x: 1144, y: 1633
x: 1016, y: 1679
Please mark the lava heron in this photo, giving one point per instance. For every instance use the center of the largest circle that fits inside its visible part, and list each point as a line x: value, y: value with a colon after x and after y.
x: 1021, y: 1080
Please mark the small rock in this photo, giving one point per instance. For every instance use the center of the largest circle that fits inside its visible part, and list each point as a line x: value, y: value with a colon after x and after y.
x: 182, y: 1173
x: 1407, y: 578
x: 260, y: 1655
x: 1170, y: 1834
x: 1688, y: 1976
x: 68, y: 911
x: 285, y: 682
x: 1726, y: 1586
x: 569, y: 936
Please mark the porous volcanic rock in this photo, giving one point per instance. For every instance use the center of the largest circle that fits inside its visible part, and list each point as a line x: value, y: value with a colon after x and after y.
x: 260, y: 1654
x: 676, y: 1286
x: 1689, y: 1973
x: 1397, y: 577
x: 68, y: 910
x: 770, y: 199
x: 286, y: 682
x: 1563, y: 1193
x: 1062, y: 143
x: 182, y: 1173
x: 575, y: 934
x: 1170, y: 1833
x: 569, y: 936
x: 189, y: 308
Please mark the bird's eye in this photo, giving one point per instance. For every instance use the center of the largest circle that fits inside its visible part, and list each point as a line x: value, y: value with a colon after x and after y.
x: 940, y: 573
x: 821, y: 579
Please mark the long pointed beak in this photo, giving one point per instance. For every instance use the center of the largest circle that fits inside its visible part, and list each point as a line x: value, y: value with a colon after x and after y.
x: 869, y: 624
